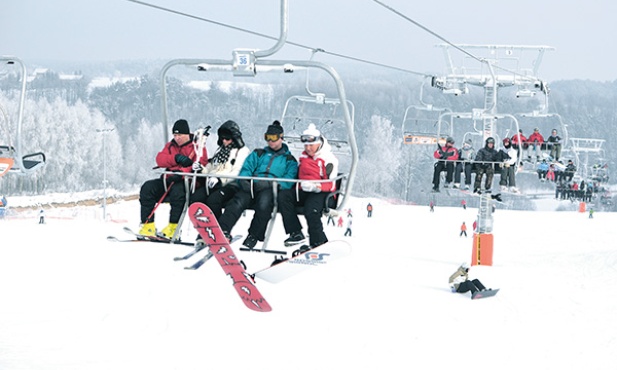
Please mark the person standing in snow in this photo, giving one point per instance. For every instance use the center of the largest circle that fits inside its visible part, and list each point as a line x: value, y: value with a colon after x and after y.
x: 463, y: 230
x: 432, y: 206
x: 348, y: 231
x: 42, y: 216
x: 369, y: 210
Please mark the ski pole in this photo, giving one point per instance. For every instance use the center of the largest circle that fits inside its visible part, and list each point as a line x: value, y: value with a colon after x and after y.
x: 201, y: 135
x: 160, y: 200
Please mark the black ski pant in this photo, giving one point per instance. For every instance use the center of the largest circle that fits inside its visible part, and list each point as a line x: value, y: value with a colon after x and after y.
x: 216, y: 199
x: 152, y: 191
x: 263, y: 205
x: 470, y: 285
x: 313, y: 206
x: 440, y: 166
x: 489, y: 171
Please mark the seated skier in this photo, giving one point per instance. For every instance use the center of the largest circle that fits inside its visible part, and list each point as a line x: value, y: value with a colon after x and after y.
x: 460, y: 283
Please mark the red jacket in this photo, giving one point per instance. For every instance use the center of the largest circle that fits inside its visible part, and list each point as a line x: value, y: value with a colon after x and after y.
x: 535, y: 136
x: 166, y: 158
x: 322, y: 166
x: 515, y: 141
x: 450, y: 152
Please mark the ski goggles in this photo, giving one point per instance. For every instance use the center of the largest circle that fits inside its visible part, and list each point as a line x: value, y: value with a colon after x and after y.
x: 272, y: 137
x: 310, y: 139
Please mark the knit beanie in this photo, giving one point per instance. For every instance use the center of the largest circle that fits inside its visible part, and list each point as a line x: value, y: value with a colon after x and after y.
x: 181, y: 127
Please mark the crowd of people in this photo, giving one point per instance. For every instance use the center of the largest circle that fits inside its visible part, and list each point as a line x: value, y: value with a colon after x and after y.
x: 233, y: 184
x: 507, y: 162
x: 484, y: 164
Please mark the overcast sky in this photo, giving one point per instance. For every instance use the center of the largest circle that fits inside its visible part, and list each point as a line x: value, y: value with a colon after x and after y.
x: 76, y: 30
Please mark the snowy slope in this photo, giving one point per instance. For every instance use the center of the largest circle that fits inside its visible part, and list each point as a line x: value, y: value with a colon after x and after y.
x: 72, y: 300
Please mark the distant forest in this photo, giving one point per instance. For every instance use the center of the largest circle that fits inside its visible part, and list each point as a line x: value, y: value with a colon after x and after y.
x: 86, y: 126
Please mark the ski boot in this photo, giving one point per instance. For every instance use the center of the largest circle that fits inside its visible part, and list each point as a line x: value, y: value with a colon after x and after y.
x: 148, y: 229
x: 169, y: 230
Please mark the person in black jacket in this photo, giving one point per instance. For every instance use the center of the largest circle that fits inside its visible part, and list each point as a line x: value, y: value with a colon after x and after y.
x: 486, y: 159
x: 554, y: 143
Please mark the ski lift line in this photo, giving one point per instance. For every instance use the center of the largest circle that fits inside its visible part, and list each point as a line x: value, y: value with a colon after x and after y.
x: 338, y: 55
x: 426, y: 29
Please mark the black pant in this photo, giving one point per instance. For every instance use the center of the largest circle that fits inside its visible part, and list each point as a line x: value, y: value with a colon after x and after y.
x: 447, y: 166
x: 152, y: 191
x: 263, y: 204
x: 313, y: 204
x: 489, y: 171
x: 217, y: 199
x: 474, y: 286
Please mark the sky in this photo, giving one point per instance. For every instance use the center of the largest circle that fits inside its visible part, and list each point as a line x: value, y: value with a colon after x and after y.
x: 86, y: 30
x: 72, y: 300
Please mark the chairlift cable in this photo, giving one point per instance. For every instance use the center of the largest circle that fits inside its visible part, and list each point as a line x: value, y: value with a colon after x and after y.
x: 481, y: 60
x: 276, y: 38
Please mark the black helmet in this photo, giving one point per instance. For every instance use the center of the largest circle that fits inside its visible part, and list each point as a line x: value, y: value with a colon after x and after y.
x: 490, y: 140
x: 449, y: 139
x: 232, y: 130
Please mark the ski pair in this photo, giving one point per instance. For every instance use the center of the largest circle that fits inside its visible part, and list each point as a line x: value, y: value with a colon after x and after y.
x: 144, y: 238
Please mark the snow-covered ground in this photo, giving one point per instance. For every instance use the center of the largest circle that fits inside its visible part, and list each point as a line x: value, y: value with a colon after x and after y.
x: 69, y: 299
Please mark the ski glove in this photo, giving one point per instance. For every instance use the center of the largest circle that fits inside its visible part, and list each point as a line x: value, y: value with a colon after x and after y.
x: 310, y: 187
x: 197, y: 167
x: 212, y: 181
x: 183, y: 160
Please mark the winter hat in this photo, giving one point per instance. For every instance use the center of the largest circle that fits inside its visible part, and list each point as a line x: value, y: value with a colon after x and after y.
x: 468, y: 142
x: 490, y: 140
x: 311, y: 135
x: 275, y: 129
x: 449, y: 139
x: 230, y: 129
x: 181, y: 127
x: 506, y: 140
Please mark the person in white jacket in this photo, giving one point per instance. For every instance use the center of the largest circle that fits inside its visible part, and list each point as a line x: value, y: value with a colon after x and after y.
x: 509, y: 167
x: 460, y: 283
x: 226, y: 161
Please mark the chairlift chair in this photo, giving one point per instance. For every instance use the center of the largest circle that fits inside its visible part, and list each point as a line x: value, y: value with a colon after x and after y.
x: 248, y: 63
x: 12, y: 158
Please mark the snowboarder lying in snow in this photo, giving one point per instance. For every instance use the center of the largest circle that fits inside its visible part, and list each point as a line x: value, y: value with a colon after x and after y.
x: 460, y: 283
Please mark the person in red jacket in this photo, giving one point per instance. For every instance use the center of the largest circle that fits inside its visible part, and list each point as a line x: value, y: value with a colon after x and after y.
x: 317, y: 162
x: 535, y: 141
x: 178, y: 155
x: 447, y: 156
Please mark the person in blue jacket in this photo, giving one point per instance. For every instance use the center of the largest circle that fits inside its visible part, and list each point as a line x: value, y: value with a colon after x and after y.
x: 273, y: 161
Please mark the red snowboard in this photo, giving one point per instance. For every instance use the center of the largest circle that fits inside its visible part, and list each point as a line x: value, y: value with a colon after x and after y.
x: 209, y: 229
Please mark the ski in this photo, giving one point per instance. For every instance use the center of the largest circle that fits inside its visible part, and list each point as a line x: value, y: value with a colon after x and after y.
x: 208, y: 227
x: 200, y: 246
x: 304, y: 259
x: 155, y: 238
x: 200, y: 262
x: 191, y: 253
x: 163, y: 240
